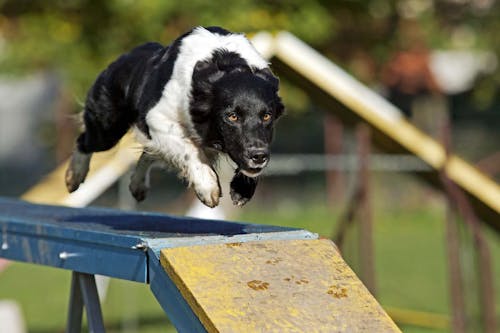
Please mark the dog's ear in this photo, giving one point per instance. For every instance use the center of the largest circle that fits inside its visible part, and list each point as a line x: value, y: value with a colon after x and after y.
x: 279, y: 108
x: 267, y: 75
x: 230, y: 62
x: 205, y: 74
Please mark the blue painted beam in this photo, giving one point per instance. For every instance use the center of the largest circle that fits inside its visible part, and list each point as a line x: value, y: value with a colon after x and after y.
x: 111, y: 242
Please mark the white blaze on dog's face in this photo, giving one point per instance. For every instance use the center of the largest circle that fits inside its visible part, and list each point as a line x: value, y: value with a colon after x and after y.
x: 246, y: 107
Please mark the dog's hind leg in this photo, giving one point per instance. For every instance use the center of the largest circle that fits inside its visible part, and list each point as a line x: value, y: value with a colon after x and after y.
x: 139, y: 181
x: 77, y: 170
x: 104, y: 127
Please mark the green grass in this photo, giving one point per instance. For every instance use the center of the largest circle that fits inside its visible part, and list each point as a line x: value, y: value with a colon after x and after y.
x: 410, y: 265
x: 43, y: 294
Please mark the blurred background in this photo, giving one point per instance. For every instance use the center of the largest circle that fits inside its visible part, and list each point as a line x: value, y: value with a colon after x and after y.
x: 436, y: 60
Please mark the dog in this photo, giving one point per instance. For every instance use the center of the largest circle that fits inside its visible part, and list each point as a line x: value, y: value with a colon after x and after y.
x: 206, y: 94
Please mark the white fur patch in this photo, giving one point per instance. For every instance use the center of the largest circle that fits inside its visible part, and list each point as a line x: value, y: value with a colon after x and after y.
x: 251, y: 174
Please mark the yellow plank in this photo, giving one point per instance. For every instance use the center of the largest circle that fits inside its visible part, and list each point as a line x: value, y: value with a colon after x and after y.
x: 274, y: 286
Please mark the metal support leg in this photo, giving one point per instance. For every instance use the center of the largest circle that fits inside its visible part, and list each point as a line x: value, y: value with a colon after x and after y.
x: 74, y: 323
x: 366, y: 246
x: 459, y: 201
x: 84, y: 292
x: 333, y: 137
x: 359, y: 208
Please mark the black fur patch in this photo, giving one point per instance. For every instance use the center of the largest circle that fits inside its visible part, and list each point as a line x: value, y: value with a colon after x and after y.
x: 242, y: 188
x: 124, y: 93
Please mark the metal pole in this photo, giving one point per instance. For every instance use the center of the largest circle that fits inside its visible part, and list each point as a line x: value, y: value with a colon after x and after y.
x: 75, y: 310
x: 455, y: 271
x: 366, y: 246
x: 84, y: 293
x: 333, y: 136
x: 458, y: 313
x: 346, y: 219
x: 484, y: 267
x: 459, y: 201
x: 91, y: 300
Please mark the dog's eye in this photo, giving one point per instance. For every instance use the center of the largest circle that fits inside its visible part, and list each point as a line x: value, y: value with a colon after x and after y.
x: 266, y: 117
x: 232, y: 117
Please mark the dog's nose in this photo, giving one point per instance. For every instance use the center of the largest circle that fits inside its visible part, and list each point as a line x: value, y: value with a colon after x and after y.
x: 259, y: 155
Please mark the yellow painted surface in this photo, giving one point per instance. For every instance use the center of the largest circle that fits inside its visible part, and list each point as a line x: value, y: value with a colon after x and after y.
x: 274, y: 286
x: 52, y: 189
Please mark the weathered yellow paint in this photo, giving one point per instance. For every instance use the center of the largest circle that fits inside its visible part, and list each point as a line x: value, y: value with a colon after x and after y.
x: 274, y: 286
x: 52, y: 189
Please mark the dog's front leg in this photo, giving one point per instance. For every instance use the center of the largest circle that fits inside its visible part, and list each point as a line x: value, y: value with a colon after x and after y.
x: 205, y: 181
x: 242, y: 188
x: 177, y: 149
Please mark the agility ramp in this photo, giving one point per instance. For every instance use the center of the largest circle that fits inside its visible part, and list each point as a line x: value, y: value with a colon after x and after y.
x: 337, y: 91
x: 208, y: 276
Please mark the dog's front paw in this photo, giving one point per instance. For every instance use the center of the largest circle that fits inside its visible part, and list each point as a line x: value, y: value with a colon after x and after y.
x: 206, y: 186
x: 238, y: 199
x: 242, y: 188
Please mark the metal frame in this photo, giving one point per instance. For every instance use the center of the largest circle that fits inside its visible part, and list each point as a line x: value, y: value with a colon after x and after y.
x: 118, y: 244
x: 359, y: 210
x: 459, y: 206
x: 84, y: 294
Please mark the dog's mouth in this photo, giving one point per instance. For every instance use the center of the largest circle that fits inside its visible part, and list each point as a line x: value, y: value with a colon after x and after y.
x: 251, y: 165
x: 253, y: 169
x: 252, y: 172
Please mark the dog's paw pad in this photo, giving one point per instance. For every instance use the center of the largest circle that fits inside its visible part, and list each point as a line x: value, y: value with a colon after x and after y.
x: 238, y: 199
x: 138, y: 191
x: 207, y: 187
x: 209, y: 196
x: 77, y: 170
x: 73, y: 180
x: 210, y: 199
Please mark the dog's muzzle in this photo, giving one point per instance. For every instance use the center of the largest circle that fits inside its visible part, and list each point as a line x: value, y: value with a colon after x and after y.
x: 256, y: 160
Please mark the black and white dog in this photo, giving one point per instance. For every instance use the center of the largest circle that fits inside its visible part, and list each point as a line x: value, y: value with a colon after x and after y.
x: 209, y: 92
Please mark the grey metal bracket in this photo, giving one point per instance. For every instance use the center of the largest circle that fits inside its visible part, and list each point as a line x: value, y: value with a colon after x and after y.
x: 84, y: 293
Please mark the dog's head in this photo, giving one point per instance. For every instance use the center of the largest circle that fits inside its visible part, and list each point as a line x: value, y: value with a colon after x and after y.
x: 236, y: 112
